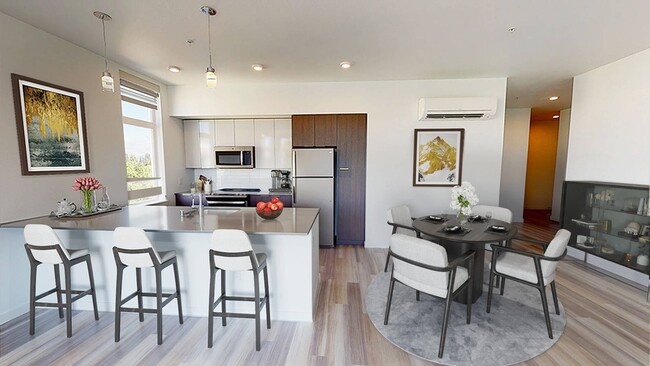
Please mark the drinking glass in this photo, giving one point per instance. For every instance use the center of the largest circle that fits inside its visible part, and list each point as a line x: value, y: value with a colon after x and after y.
x: 488, y: 215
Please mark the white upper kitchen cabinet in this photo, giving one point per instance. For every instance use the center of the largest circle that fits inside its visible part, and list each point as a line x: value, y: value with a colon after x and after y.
x: 207, y: 143
x: 264, y: 144
x: 192, y: 146
x: 224, y: 132
x: 282, y: 143
x: 244, y: 132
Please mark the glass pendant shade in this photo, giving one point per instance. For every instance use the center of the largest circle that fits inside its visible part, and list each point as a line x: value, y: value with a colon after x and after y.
x: 210, y: 78
x: 108, y: 84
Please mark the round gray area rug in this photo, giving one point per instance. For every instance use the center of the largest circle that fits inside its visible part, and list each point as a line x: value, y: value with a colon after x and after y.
x: 513, y: 331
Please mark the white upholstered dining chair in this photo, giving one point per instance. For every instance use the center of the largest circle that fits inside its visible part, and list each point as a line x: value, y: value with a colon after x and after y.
x: 424, y: 266
x: 399, y: 217
x: 532, y: 269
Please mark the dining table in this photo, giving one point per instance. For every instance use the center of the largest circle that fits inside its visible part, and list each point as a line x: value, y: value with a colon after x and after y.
x: 475, y: 235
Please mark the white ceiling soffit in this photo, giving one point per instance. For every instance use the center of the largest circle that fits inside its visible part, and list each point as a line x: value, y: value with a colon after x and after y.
x: 305, y: 40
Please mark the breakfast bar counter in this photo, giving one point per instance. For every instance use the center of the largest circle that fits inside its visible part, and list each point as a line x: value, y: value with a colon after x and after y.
x: 290, y: 242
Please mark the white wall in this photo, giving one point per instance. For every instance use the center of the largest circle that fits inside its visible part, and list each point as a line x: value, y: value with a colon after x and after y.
x: 392, y: 116
x: 560, y: 162
x: 610, y: 123
x: 42, y: 56
x: 513, y: 167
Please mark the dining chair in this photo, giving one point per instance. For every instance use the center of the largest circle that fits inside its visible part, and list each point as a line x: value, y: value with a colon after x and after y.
x: 532, y: 269
x: 424, y: 266
x: 399, y: 217
x: 43, y: 246
x: 498, y: 213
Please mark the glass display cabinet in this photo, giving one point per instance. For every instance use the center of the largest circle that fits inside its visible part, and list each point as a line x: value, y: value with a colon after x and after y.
x: 608, y: 220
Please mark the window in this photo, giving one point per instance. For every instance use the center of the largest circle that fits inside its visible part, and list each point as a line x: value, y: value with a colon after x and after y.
x: 142, y: 141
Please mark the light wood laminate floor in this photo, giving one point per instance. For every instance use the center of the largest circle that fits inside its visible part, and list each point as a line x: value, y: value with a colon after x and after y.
x: 607, y: 324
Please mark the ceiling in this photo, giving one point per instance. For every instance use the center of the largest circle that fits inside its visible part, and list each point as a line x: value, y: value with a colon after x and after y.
x: 305, y: 40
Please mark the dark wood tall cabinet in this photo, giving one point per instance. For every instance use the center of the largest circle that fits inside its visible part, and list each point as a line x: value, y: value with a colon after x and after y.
x: 351, y: 179
x: 347, y: 133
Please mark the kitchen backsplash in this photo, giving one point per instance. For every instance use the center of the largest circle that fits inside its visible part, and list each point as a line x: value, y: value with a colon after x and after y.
x: 236, y: 178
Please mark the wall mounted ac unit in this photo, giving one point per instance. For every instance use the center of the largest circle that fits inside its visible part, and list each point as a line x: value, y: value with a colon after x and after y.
x: 456, y: 109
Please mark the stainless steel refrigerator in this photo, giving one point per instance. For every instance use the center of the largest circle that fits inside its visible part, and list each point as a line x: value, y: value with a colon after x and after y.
x: 313, y: 186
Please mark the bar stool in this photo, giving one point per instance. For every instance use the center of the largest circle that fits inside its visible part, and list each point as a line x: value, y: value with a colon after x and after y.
x: 44, y: 246
x: 133, y: 248
x: 232, y: 251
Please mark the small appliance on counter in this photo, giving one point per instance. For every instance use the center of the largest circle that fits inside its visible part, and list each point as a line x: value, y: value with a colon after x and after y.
x: 280, y: 181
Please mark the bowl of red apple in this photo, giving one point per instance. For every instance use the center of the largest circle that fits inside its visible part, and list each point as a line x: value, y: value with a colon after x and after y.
x: 269, y: 210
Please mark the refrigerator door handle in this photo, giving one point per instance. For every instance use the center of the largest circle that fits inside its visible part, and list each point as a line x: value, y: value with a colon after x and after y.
x: 344, y: 168
x: 293, y: 191
x: 293, y: 178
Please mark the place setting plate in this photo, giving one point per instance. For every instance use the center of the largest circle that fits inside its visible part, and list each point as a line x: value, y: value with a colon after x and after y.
x: 498, y: 229
x: 455, y: 230
x: 436, y: 219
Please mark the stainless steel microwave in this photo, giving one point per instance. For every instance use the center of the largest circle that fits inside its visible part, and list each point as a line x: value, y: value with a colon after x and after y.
x: 242, y: 157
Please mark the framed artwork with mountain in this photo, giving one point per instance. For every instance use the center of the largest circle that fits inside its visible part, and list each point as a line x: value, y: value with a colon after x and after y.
x: 51, y: 125
x: 438, y: 157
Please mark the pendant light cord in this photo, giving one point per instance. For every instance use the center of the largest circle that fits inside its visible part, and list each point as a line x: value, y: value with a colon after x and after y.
x: 104, y: 32
x: 209, y: 40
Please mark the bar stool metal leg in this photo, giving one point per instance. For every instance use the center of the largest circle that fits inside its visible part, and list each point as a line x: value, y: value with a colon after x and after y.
x: 118, y: 301
x: 68, y: 299
x: 138, y: 280
x: 223, y: 294
x: 159, y: 305
x: 266, y: 295
x: 59, y: 299
x: 92, y: 287
x: 32, y: 299
x: 213, y: 273
x: 178, y: 293
x: 256, y: 280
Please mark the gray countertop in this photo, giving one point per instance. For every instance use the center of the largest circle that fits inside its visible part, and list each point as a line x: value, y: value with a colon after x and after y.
x: 168, y: 219
x: 263, y: 192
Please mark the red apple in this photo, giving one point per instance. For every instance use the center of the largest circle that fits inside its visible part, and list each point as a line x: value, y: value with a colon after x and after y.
x: 275, y: 200
x: 274, y: 207
x: 261, y: 205
x: 280, y: 205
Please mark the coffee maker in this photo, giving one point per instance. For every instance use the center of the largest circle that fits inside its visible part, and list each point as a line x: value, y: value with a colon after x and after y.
x: 280, y: 181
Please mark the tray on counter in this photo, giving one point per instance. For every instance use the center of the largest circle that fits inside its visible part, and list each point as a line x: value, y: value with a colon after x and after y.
x: 78, y: 215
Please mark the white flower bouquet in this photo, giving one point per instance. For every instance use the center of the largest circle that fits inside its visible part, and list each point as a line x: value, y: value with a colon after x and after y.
x: 463, y: 197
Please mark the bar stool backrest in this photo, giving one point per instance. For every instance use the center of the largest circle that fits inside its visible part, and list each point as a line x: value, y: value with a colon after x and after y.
x: 498, y: 213
x: 134, y: 238
x: 43, y: 235
x: 232, y: 241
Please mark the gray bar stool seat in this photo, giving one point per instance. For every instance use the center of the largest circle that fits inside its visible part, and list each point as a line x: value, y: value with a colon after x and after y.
x: 44, y: 246
x: 232, y: 251
x: 133, y: 248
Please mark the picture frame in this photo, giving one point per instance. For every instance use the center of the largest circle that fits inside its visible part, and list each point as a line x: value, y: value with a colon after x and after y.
x: 51, y: 126
x: 438, y: 157
x: 645, y: 230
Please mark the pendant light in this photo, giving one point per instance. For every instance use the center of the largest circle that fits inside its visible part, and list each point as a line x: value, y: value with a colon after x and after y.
x: 107, y: 79
x: 210, y: 76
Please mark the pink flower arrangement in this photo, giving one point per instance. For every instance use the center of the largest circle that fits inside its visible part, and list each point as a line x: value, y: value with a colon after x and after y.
x: 86, y: 184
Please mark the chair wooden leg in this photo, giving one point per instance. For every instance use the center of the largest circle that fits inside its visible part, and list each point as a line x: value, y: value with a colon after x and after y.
x: 223, y: 294
x: 68, y: 300
x: 178, y: 293
x: 445, y: 322
x: 93, y: 292
x: 547, y: 317
x: 213, y: 272
x: 554, y: 291
x: 138, y: 285
x: 118, y: 301
x: 159, y: 306
x: 389, y: 300
x: 32, y: 299
x: 489, y: 299
x: 57, y: 279
x: 256, y: 280
x: 266, y: 295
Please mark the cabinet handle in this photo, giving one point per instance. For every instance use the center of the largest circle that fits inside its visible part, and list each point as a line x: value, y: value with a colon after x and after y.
x: 344, y: 168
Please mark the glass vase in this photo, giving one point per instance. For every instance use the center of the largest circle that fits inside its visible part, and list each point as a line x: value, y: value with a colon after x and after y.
x: 461, y: 219
x: 104, y: 202
x: 87, y: 201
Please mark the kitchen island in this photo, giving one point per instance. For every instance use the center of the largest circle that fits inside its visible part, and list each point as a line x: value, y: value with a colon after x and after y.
x: 290, y: 242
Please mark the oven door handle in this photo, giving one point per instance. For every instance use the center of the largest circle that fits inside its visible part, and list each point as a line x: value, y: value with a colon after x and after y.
x: 216, y: 203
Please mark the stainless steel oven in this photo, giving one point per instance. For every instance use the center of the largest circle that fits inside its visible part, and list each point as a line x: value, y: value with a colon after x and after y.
x: 227, y: 200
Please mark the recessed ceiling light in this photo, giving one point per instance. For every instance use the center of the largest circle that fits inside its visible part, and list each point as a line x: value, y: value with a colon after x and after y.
x: 556, y: 116
x: 512, y: 29
x: 554, y: 98
x: 174, y: 69
x: 346, y: 65
x: 257, y: 67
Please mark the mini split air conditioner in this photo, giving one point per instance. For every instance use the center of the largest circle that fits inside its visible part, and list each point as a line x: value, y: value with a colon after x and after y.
x: 456, y: 109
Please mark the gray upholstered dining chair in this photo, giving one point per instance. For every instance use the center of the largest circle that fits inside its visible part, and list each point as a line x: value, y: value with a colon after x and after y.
x: 532, y: 269
x: 399, y: 217
x: 498, y: 213
x: 424, y: 266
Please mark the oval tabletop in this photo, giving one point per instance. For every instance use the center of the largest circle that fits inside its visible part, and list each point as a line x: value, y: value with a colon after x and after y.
x: 479, y: 230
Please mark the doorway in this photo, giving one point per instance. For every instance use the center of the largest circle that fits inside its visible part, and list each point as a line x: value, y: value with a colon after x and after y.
x: 540, y: 171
